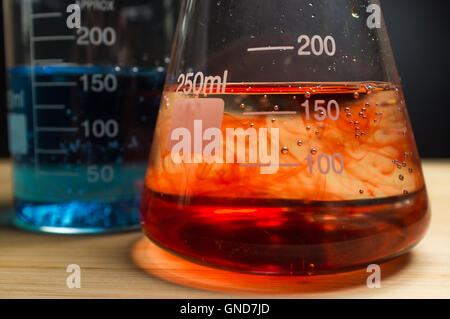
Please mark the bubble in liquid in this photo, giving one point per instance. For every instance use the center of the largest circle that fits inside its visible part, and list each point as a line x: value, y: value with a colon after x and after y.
x: 356, y: 95
x: 276, y: 108
x: 313, y: 151
x: 369, y: 89
x: 273, y: 120
x: 299, y: 143
x: 361, y: 191
x: 311, y: 269
x: 252, y: 125
x: 401, y: 177
x: 317, y: 132
x: 242, y: 106
x: 404, y: 164
x: 357, y: 136
x: 405, y: 192
x: 284, y: 150
x: 347, y: 109
x: 308, y: 127
x: 349, y: 114
x: 410, y: 170
x: 308, y: 95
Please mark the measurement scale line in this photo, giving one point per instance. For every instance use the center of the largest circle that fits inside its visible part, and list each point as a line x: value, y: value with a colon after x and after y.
x: 271, y: 48
x: 50, y: 107
x: 45, y: 15
x: 53, y: 38
x: 57, y: 129
x: 270, y: 113
x: 48, y: 61
x: 52, y: 152
x: 62, y: 174
x: 270, y: 165
x: 50, y: 84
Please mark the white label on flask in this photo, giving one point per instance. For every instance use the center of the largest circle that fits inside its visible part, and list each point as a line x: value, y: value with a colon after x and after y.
x: 17, y: 128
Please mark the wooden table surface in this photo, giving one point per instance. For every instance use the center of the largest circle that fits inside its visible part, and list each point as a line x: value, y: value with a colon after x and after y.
x: 128, y: 266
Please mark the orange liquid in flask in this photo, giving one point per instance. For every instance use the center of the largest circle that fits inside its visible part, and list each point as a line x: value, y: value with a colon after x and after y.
x: 348, y: 190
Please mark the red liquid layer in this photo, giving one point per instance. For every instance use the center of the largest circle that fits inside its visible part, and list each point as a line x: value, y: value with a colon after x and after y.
x: 285, y: 237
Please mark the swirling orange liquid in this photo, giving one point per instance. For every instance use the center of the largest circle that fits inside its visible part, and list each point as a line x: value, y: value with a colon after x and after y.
x: 348, y: 190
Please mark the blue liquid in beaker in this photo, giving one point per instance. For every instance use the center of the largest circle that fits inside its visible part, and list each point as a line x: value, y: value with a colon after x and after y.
x: 80, y: 137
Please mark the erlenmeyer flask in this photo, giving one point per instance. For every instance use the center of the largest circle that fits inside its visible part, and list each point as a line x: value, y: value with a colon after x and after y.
x: 283, y: 143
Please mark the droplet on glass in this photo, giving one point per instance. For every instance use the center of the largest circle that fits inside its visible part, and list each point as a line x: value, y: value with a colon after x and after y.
x: 354, y: 13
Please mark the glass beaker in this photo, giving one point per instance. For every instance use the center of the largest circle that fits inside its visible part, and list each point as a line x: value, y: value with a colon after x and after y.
x: 283, y: 143
x: 85, y: 82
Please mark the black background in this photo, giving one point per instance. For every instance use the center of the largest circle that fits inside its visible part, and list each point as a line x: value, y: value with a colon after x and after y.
x: 419, y: 32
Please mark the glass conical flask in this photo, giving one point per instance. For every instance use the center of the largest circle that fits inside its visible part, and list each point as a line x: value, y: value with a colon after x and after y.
x: 283, y: 143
